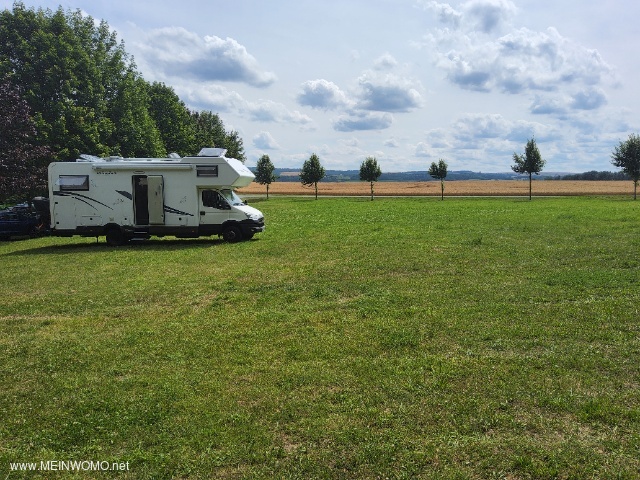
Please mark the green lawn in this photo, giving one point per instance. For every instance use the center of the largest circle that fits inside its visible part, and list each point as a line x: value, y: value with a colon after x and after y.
x: 400, y: 338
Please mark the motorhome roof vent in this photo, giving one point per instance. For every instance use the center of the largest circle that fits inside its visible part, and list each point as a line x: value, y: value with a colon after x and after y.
x: 212, y: 152
x: 85, y: 157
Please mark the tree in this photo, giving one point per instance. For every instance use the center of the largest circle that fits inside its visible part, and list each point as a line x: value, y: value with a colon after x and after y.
x: 627, y: 156
x: 69, y: 69
x: 86, y: 96
x: 210, y: 132
x: 312, y: 172
x: 264, y: 172
x: 531, y: 162
x: 172, y: 118
x: 439, y: 172
x: 23, y: 165
x: 137, y: 134
x: 370, y: 172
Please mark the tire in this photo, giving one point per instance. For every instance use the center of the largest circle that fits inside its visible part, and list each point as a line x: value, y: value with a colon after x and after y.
x: 115, y: 237
x: 232, y: 234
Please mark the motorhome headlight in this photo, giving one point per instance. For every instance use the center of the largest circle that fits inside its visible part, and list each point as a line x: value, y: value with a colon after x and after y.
x: 253, y: 216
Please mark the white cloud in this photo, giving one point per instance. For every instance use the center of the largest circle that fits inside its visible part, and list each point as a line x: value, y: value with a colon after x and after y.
x: 177, y: 52
x: 322, y: 94
x: 391, y: 142
x: 219, y: 99
x: 211, y: 97
x: 446, y: 13
x: 270, y: 111
x: 423, y: 150
x: 523, y: 61
x: 385, y: 62
x: 489, y: 15
x: 589, y: 99
x: 265, y: 141
x: 387, y: 93
x: 363, y: 121
x: 484, y: 15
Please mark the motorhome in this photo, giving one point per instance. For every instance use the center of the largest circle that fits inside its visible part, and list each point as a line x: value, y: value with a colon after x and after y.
x: 132, y: 198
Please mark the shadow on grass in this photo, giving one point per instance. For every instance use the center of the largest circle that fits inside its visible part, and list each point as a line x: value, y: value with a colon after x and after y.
x: 138, y: 245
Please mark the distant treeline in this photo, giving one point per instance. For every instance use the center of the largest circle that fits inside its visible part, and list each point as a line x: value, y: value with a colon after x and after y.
x: 290, y: 175
x: 594, y: 175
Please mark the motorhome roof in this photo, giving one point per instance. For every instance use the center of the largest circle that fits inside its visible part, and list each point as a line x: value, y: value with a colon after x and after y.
x: 173, y: 157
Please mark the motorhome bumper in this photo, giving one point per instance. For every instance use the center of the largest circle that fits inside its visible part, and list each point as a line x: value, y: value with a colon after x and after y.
x: 252, y: 227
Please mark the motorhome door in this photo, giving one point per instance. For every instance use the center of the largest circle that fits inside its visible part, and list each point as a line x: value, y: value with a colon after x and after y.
x: 214, y: 209
x: 148, y: 199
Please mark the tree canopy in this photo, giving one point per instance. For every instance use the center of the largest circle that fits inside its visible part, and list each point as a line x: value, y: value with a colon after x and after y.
x: 22, y: 161
x: 531, y: 162
x: 439, y: 172
x: 370, y: 172
x: 312, y: 172
x: 86, y: 96
x: 264, y: 172
x: 627, y: 156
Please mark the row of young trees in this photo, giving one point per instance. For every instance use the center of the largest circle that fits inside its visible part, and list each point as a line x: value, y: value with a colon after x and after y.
x: 313, y: 172
x: 67, y: 87
x: 625, y: 156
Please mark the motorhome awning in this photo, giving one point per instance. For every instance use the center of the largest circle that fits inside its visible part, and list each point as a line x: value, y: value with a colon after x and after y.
x: 142, y: 166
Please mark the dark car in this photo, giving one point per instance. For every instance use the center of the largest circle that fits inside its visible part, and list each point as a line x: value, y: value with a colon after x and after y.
x: 21, y: 220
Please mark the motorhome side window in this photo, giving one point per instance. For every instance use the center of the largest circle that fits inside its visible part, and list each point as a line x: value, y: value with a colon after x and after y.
x: 73, y: 182
x: 207, y: 170
x: 210, y: 198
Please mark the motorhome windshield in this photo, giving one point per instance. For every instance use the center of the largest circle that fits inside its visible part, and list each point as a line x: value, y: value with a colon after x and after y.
x: 231, y: 197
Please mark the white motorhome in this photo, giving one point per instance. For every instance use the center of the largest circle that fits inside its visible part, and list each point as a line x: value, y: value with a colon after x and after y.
x: 126, y: 198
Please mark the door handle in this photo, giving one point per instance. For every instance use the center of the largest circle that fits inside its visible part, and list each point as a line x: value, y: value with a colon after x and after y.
x: 202, y: 212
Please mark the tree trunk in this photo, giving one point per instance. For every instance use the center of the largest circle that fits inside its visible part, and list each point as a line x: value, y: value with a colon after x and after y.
x: 372, y: 191
x: 267, y: 191
x: 529, y: 186
x: 442, y: 190
x: 316, y: 185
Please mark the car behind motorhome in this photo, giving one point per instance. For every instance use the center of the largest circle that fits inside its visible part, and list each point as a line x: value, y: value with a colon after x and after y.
x: 136, y: 198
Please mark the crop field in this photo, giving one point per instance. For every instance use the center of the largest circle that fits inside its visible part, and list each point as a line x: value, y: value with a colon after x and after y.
x: 404, y: 338
x: 453, y: 188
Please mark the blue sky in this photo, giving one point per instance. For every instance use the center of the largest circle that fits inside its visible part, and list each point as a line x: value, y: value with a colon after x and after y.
x: 406, y: 81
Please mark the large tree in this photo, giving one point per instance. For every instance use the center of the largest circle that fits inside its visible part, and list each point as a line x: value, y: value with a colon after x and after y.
x: 370, y: 172
x: 531, y: 162
x: 137, y: 134
x: 312, y: 172
x: 210, y: 132
x: 264, y: 172
x: 86, y: 95
x: 69, y: 70
x: 627, y: 156
x: 172, y: 118
x: 23, y: 170
x: 439, y: 172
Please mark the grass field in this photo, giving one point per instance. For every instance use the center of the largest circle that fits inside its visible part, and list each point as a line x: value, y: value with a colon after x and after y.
x: 402, y: 338
x: 454, y: 188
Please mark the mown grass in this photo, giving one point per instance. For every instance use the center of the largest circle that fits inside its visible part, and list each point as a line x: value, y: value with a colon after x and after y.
x: 400, y: 338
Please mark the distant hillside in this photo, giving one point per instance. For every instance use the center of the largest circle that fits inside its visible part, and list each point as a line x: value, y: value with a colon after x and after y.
x: 292, y: 175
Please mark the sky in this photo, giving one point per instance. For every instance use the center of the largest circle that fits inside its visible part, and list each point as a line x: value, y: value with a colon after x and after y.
x: 408, y: 82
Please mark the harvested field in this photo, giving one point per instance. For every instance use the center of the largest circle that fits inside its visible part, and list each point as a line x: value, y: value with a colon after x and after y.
x: 452, y: 188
